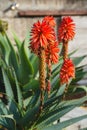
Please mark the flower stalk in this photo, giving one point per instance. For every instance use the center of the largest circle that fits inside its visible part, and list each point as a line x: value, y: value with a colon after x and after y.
x: 42, y: 76
x: 42, y: 69
x: 65, y: 50
x: 49, y: 78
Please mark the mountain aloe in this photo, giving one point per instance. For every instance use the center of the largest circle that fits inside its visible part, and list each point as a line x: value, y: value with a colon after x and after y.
x: 36, y: 81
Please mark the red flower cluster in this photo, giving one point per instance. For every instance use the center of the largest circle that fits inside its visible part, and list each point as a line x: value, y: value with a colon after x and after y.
x: 43, y: 42
x: 66, y: 29
x: 41, y: 35
x: 52, y: 53
x: 67, y: 71
x: 50, y: 20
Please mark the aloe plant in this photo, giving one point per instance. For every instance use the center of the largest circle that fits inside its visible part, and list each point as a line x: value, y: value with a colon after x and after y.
x: 21, y: 89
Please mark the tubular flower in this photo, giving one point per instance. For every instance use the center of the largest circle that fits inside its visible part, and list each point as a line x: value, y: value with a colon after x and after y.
x: 41, y: 35
x: 66, y: 29
x: 52, y: 53
x: 50, y: 20
x: 67, y: 71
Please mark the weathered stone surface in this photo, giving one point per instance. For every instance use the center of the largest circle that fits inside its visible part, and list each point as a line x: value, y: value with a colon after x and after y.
x: 46, y: 4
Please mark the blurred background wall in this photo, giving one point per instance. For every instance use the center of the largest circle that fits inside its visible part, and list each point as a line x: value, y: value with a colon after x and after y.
x: 21, y: 24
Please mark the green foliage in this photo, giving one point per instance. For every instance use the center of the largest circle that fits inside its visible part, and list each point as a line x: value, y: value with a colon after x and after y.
x: 20, y: 81
x: 64, y: 124
x: 6, y: 118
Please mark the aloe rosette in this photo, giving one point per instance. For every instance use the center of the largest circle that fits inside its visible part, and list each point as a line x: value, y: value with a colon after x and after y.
x: 36, y: 80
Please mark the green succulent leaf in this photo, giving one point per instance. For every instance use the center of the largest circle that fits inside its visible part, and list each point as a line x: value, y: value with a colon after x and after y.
x: 17, y: 41
x: 6, y: 118
x: 35, y: 64
x: 19, y: 92
x: 53, y: 116
x: 78, y: 60
x: 82, y: 87
x: 55, y: 98
x: 14, y: 109
x: 35, y: 100
x: 33, y: 85
x: 13, y: 55
x: 7, y: 121
x: 26, y: 69
x: 8, y: 88
x: 27, y: 120
x: 26, y: 42
x: 58, y: 111
x: 73, y: 52
x: 64, y: 124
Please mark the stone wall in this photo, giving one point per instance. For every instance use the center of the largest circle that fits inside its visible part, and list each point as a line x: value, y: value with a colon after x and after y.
x: 46, y: 4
